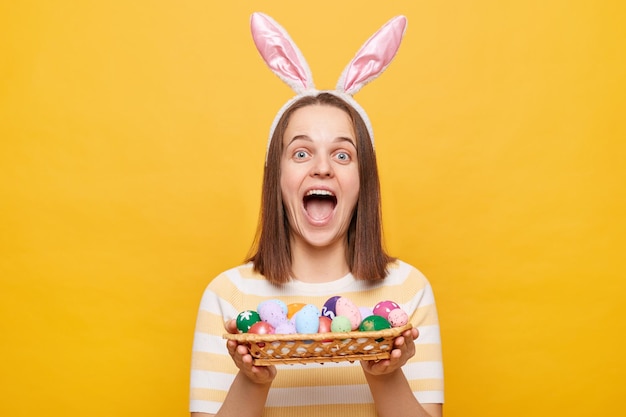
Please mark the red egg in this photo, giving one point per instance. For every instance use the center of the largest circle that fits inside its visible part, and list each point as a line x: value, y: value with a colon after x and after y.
x: 324, y: 324
x: 325, y: 327
x: 261, y: 327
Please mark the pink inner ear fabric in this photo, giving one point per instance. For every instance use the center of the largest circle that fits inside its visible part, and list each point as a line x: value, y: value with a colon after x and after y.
x: 375, y: 55
x: 278, y: 52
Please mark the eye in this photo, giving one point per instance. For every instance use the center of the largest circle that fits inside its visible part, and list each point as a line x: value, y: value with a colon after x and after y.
x: 343, y: 156
x: 300, y: 154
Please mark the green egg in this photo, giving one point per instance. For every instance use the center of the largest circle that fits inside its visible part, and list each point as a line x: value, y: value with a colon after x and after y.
x: 340, y: 324
x: 374, y: 323
x: 246, y: 319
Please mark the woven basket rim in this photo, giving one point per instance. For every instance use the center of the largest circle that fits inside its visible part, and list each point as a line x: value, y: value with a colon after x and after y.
x: 265, y: 338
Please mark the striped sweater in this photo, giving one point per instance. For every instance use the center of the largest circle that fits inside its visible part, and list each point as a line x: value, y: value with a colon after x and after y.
x: 301, y: 390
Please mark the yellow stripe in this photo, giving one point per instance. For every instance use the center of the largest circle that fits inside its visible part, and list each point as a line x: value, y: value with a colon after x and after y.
x: 427, y: 352
x: 400, y: 293
x: 315, y: 375
x: 246, y: 271
x: 343, y: 410
x: 205, y: 394
x: 425, y: 316
x: 426, y: 385
x: 209, y: 323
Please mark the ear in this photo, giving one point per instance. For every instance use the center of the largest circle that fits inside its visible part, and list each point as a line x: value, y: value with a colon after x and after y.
x: 280, y: 53
x: 374, y: 56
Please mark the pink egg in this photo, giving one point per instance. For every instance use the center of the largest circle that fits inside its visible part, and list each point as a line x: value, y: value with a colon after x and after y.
x: 345, y: 307
x: 397, y: 317
x: 384, y: 307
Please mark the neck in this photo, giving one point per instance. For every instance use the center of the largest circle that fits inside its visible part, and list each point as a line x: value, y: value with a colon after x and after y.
x: 318, y: 264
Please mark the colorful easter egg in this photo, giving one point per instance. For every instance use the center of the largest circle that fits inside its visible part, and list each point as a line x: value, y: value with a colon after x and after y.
x: 340, y: 324
x: 307, y: 319
x: 328, y: 310
x: 374, y: 323
x: 366, y: 311
x: 397, y: 317
x: 272, y: 312
x: 261, y: 327
x: 293, y: 308
x: 324, y: 327
x: 345, y: 307
x: 281, y: 303
x: 246, y: 319
x: 384, y: 307
x: 286, y: 327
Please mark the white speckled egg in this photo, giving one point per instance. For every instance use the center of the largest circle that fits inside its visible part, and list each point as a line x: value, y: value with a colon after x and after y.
x: 397, y: 317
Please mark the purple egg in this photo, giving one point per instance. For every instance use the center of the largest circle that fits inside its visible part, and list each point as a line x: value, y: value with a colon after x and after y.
x: 329, y: 308
x: 366, y: 311
x: 286, y: 327
x: 272, y: 313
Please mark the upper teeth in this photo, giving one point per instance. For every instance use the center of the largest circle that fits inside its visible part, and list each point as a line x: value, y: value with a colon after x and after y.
x: 319, y: 192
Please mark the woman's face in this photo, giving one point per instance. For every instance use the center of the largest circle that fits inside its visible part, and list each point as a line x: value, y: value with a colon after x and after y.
x: 319, y: 175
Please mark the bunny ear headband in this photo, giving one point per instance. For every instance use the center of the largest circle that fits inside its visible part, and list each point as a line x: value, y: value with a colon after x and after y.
x: 284, y: 58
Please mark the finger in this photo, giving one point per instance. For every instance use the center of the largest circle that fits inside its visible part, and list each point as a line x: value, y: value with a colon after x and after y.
x: 231, y: 345
x: 231, y: 326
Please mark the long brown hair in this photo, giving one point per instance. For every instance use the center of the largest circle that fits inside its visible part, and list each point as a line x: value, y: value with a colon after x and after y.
x: 365, y: 255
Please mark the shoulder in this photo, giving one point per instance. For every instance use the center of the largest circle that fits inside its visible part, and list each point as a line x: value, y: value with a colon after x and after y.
x: 400, y: 271
x: 237, y: 275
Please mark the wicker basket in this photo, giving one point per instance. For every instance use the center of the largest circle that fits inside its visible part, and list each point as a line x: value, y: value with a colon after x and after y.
x: 272, y: 349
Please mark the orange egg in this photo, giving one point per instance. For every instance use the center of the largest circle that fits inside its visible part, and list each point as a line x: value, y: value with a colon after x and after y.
x: 293, y: 308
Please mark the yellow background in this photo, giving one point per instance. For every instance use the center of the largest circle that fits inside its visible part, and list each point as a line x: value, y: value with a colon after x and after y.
x: 132, y: 138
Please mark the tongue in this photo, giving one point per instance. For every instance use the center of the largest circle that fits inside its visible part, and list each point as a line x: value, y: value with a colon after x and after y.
x: 319, y: 209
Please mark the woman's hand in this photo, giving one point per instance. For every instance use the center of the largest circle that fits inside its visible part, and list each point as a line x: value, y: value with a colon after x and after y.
x: 242, y: 358
x: 404, y: 349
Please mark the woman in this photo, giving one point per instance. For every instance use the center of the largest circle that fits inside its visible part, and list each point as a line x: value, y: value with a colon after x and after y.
x: 319, y: 236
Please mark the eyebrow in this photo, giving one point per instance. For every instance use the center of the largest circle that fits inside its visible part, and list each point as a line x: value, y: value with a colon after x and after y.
x: 308, y: 139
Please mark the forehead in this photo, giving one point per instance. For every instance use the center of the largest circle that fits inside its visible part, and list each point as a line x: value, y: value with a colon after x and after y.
x: 321, y: 121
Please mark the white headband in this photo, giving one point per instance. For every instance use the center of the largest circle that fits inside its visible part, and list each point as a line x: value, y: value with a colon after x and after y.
x: 284, y: 58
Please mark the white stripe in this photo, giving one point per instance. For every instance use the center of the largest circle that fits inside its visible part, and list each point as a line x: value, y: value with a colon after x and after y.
x: 423, y: 370
x: 211, y: 380
x: 427, y: 397
x: 428, y: 335
x: 287, y: 397
x: 204, y: 342
x: 262, y: 288
x: 213, y: 304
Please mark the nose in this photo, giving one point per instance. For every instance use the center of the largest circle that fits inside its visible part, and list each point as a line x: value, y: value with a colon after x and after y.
x: 322, y: 167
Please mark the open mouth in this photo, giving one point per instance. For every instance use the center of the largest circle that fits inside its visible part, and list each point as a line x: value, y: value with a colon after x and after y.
x: 319, y: 204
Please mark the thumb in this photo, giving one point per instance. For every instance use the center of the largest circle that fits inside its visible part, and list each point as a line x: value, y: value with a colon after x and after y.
x: 231, y: 326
